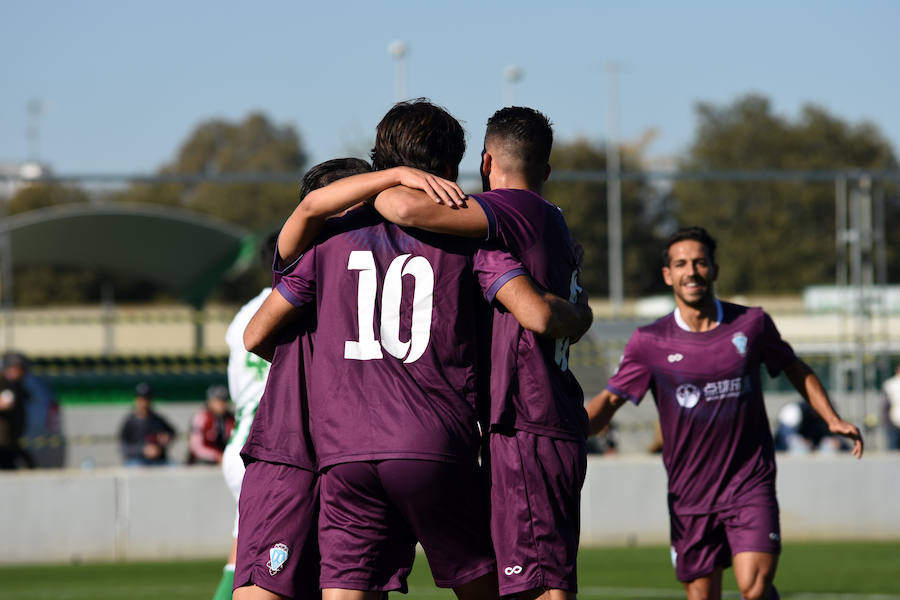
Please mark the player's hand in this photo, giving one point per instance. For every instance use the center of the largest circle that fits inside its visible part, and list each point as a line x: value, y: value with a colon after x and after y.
x: 850, y: 431
x: 440, y: 190
x: 152, y: 451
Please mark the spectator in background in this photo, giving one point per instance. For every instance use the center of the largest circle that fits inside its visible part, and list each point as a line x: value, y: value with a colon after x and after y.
x: 211, y: 428
x: 41, y: 437
x: 145, y: 435
x: 801, y: 430
x: 13, y: 401
x: 891, y: 391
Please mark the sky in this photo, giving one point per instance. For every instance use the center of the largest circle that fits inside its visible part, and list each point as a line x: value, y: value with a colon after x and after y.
x: 123, y: 83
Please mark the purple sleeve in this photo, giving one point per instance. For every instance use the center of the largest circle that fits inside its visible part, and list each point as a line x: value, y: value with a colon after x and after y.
x: 515, y: 217
x: 777, y: 353
x: 632, y: 377
x: 494, y: 268
x: 299, y: 285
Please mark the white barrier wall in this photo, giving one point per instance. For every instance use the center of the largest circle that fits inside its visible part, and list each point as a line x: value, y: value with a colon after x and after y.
x: 187, y: 512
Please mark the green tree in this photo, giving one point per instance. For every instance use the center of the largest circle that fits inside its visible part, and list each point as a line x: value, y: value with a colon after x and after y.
x: 583, y: 203
x: 218, y: 147
x: 774, y: 236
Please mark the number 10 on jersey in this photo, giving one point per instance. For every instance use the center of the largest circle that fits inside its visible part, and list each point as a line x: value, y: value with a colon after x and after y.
x: 369, y: 348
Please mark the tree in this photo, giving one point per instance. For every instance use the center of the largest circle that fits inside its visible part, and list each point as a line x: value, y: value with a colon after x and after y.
x: 217, y: 147
x: 774, y: 237
x: 583, y: 203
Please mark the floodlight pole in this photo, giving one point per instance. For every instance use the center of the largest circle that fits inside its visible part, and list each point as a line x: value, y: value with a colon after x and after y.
x: 399, y: 50
x: 614, y: 193
x: 511, y: 76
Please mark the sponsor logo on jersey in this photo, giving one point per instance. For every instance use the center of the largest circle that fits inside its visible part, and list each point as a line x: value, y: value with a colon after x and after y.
x: 513, y: 570
x: 740, y: 343
x: 688, y: 395
x: 673, y: 358
x: 278, y: 555
x: 726, y: 388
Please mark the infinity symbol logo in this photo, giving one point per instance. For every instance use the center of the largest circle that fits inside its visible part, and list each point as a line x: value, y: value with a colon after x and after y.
x: 513, y: 570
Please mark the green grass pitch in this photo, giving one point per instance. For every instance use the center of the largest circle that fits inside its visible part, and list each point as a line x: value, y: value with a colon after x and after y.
x: 821, y: 571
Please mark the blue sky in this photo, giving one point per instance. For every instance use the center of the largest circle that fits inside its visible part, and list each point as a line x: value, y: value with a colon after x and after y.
x: 124, y: 82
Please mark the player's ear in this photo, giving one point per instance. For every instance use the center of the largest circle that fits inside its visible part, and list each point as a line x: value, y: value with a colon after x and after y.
x: 667, y: 276
x: 486, y: 161
x: 547, y: 172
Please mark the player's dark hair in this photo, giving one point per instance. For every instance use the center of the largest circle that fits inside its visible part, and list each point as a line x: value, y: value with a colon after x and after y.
x: 330, y: 171
x: 419, y: 134
x: 695, y: 233
x: 525, y: 134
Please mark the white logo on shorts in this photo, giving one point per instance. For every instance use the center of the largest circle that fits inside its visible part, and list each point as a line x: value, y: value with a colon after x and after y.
x: 774, y: 536
x: 513, y: 570
x: 674, y: 554
x: 672, y: 358
x: 278, y: 555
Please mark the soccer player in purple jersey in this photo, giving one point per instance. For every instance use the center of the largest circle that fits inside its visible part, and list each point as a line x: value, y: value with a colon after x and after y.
x: 397, y: 438
x: 277, y: 552
x: 538, y: 423
x: 702, y: 363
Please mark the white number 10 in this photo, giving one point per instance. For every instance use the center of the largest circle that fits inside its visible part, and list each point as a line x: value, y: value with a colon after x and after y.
x: 367, y: 347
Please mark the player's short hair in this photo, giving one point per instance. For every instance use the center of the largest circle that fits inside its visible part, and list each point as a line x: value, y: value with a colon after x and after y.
x: 419, y: 134
x: 695, y: 233
x: 330, y: 171
x: 524, y: 134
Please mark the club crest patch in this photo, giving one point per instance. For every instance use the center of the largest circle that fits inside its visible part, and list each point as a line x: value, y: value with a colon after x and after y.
x: 278, y: 555
x: 740, y: 343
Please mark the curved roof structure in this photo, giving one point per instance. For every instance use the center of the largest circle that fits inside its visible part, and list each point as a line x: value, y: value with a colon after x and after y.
x: 184, y: 252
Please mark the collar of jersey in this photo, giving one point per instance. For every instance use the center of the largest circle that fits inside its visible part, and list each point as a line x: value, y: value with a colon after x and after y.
x: 679, y: 320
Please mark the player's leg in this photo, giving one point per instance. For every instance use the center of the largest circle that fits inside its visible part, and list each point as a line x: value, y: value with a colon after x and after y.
x: 708, y: 587
x: 233, y: 471
x: 700, y: 552
x: 366, y: 546
x: 754, y: 534
x: 446, y: 507
x: 277, y: 553
x: 535, y: 513
x: 754, y: 572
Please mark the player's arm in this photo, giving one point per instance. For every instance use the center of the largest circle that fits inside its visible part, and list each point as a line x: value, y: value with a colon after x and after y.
x: 413, y: 208
x: 306, y: 222
x: 601, y: 409
x: 810, y: 387
x: 274, y: 313
x: 542, y: 312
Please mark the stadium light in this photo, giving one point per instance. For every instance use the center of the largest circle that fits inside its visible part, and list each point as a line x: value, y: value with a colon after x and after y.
x: 512, y: 74
x: 398, y: 51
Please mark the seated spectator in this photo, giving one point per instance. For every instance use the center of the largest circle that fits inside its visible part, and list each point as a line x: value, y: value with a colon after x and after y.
x: 13, y: 402
x: 800, y: 431
x: 145, y: 435
x: 891, y: 409
x: 211, y: 428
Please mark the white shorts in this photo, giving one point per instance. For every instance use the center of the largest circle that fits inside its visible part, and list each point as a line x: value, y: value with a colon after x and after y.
x: 232, y: 463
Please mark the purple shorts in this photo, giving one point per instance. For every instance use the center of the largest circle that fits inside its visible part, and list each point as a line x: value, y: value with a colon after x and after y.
x: 535, y: 510
x: 703, y: 543
x: 374, y: 512
x: 277, y: 547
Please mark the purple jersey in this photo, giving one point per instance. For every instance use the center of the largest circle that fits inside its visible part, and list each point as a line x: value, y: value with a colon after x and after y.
x: 717, y: 447
x: 393, y: 374
x: 532, y: 388
x: 280, y: 429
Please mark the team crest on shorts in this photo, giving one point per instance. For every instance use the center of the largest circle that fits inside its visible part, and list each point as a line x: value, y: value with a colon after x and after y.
x: 740, y: 342
x: 278, y: 555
